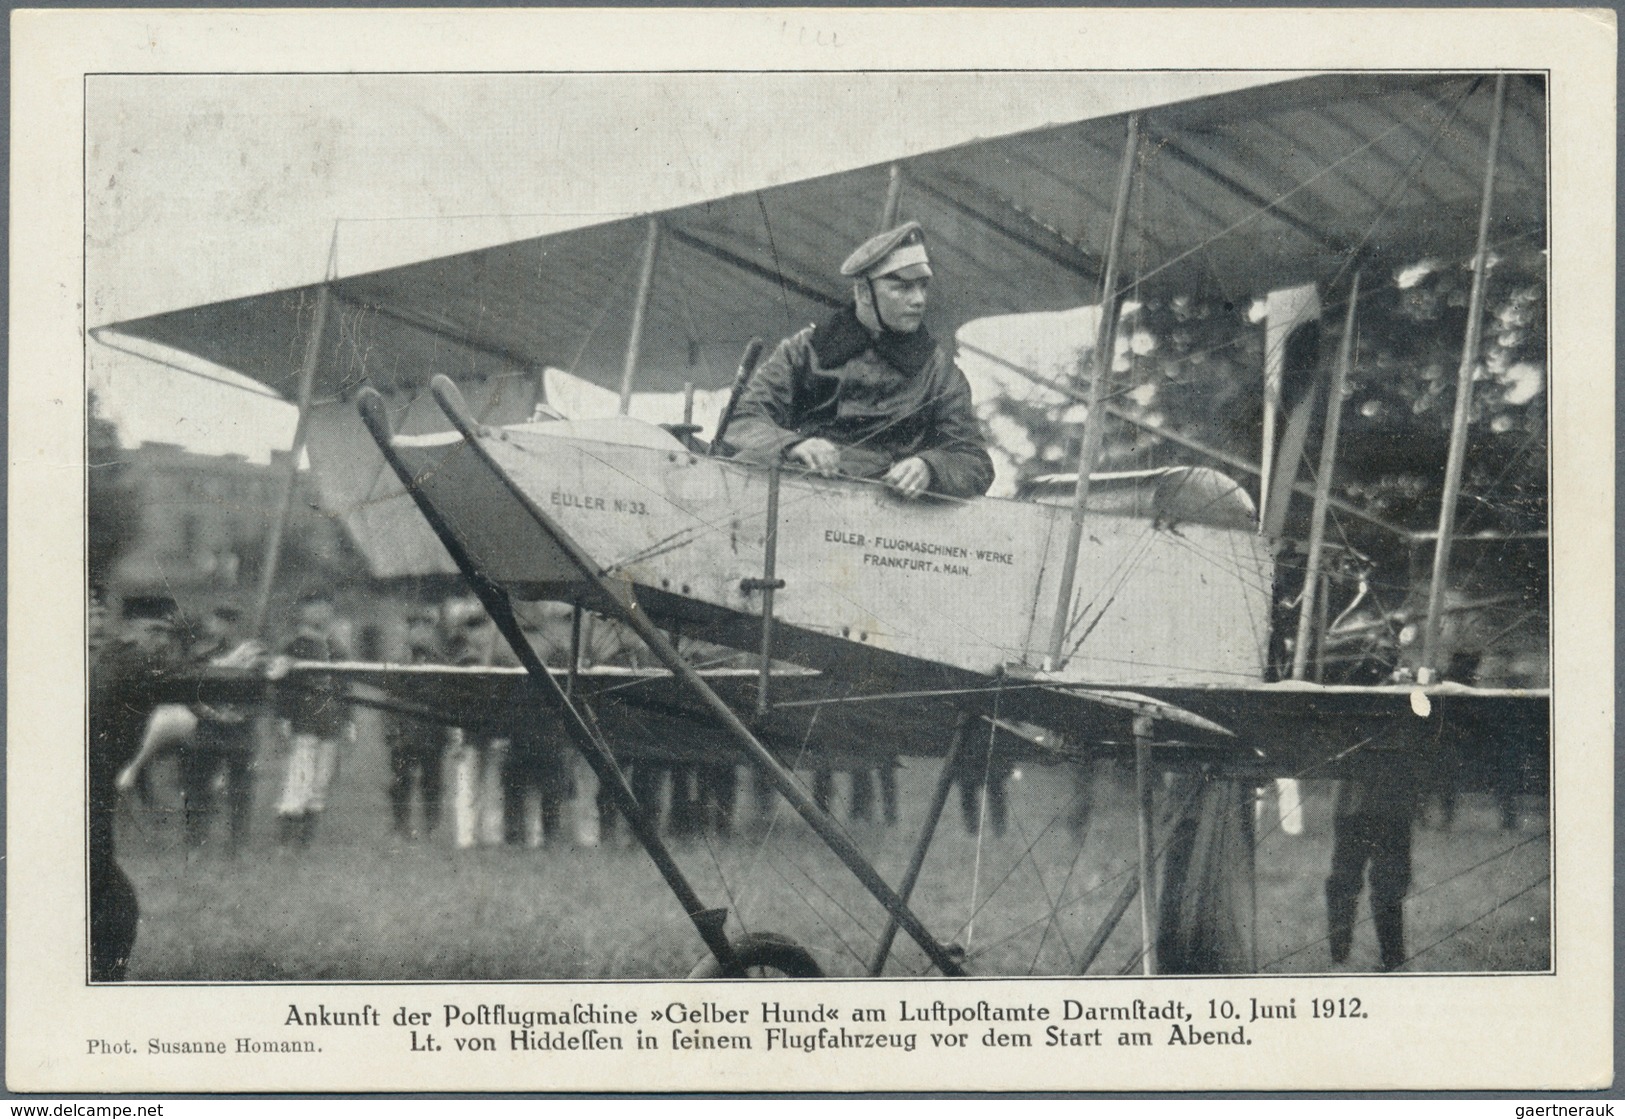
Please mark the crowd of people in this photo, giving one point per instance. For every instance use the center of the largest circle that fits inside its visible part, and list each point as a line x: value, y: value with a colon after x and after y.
x: 510, y: 780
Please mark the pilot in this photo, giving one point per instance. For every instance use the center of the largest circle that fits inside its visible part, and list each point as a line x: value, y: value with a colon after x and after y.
x: 869, y: 393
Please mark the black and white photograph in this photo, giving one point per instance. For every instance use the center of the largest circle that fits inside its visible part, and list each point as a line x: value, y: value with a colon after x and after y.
x: 882, y: 525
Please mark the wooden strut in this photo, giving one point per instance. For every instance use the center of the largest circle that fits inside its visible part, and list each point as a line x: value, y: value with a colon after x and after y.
x: 1323, y: 621
x: 767, y: 584
x: 894, y: 197
x: 688, y: 429
x: 1125, y: 896
x: 1094, y: 422
x: 922, y: 846
x: 452, y: 403
x: 1148, y: 871
x: 708, y: 922
x: 1180, y: 440
x: 640, y: 310
x: 570, y: 681
x: 1457, y: 457
x: 1323, y: 490
x: 273, y: 540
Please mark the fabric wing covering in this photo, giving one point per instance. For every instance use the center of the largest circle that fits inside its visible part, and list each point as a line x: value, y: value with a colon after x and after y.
x: 1236, y: 194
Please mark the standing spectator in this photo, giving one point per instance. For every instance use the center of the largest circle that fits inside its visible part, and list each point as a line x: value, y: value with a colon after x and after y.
x: 537, y: 782
x: 219, y: 754
x: 861, y: 802
x: 123, y: 678
x: 863, y: 793
x: 1288, y: 805
x: 1080, y: 810
x: 718, y: 788
x: 1371, y: 838
x: 982, y: 774
x: 417, y: 748
x: 647, y: 777
x: 764, y: 801
x: 1373, y: 816
x: 477, y: 753
x: 317, y: 719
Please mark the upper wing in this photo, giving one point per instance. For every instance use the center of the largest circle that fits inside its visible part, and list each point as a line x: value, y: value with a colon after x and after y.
x: 1242, y: 191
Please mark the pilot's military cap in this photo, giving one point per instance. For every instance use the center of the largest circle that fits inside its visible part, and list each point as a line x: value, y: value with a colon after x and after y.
x: 889, y: 252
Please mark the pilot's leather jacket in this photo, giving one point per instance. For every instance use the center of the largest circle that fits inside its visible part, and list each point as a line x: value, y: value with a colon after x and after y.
x: 880, y: 400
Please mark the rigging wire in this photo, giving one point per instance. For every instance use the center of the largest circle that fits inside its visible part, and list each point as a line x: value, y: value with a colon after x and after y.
x: 603, y: 313
x: 1025, y: 854
x: 802, y: 897
x: 1038, y: 873
x: 778, y: 264
x: 1128, y: 870
x: 1415, y: 894
x: 1541, y: 881
x: 779, y: 807
x: 1129, y: 567
x: 1085, y: 771
x: 862, y: 925
x: 1276, y: 202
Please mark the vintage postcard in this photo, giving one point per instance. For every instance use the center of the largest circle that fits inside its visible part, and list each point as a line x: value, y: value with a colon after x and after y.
x: 1079, y: 543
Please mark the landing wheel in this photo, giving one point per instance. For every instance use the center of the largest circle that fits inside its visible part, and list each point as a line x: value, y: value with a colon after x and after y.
x: 763, y: 956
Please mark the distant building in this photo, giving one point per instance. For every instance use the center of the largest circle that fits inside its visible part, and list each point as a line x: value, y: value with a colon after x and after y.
x: 201, y: 522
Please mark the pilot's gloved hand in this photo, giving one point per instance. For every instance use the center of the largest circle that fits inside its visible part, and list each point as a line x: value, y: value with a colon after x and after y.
x: 909, y: 477
x: 817, y: 454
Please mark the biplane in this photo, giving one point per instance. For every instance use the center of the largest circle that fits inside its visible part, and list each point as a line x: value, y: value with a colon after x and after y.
x: 1145, y: 627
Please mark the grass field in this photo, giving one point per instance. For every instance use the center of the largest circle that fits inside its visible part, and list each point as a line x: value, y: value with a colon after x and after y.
x: 357, y: 906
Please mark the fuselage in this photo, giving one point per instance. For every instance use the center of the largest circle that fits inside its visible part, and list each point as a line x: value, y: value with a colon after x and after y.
x: 969, y: 585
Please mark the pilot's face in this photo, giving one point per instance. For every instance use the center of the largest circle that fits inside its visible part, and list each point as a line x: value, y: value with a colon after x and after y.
x: 900, y: 299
